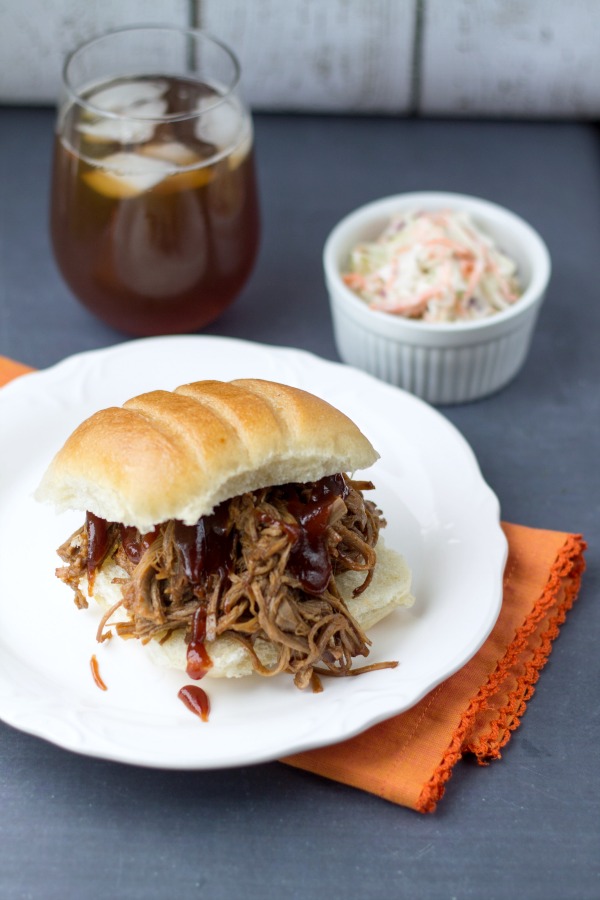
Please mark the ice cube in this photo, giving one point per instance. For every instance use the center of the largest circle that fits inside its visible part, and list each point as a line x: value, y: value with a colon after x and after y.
x: 126, y: 95
x: 127, y: 174
x: 218, y: 125
x: 126, y: 130
x: 171, y: 151
x: 117, y: 131
x: 190, y: 173
x: 241, y: 151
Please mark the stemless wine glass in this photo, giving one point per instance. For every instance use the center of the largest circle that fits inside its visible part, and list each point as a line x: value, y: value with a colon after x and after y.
x: 154, y: 210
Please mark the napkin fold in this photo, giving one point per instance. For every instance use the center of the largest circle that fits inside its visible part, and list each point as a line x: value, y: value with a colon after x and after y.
x: 409, y: 758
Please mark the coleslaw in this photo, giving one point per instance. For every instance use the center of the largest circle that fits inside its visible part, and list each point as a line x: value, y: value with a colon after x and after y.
x: 433, y: 266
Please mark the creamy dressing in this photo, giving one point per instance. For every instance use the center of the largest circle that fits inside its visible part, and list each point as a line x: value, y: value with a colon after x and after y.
x: 434, y: 266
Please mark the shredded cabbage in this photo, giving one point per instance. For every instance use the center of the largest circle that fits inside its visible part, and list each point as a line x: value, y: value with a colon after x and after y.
x: 435, y: 266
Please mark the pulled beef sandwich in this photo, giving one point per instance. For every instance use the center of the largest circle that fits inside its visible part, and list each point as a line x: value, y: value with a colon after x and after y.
x: 222, y: 530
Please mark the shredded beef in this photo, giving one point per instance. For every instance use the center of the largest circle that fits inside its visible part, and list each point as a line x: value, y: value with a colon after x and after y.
x: 74, y: 554
x: 260, y: 595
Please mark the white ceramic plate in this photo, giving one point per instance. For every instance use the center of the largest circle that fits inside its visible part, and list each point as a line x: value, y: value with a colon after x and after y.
x: 441, y: 514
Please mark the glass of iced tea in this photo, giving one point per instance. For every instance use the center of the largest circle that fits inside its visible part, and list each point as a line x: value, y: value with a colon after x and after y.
x: 154, y: 210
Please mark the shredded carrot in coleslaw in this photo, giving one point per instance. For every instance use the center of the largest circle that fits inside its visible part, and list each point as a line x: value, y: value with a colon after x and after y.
x: 435, y: 266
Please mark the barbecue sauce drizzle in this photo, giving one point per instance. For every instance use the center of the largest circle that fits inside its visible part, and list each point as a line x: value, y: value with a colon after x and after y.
x: 207, y: 548
x: 309, y: 559
x: 96, y: 674
x: 134, y: 544
x: 97, y: 545
x: 198, y: 662
x: 99, y: 540
x: 196, y: 700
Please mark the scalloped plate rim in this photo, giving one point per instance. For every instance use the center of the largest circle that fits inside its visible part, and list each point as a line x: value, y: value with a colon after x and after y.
x: 63, y: 382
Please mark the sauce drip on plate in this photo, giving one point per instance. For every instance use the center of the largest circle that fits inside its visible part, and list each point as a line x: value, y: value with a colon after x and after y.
x: 196, y: 700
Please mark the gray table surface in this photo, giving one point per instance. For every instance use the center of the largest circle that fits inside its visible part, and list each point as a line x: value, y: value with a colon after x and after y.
x: 525, y: 826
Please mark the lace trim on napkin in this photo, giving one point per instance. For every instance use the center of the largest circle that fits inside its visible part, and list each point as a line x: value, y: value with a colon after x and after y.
x: 515, y: 675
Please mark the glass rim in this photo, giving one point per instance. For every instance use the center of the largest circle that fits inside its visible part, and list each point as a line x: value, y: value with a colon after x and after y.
x: 77, y: 98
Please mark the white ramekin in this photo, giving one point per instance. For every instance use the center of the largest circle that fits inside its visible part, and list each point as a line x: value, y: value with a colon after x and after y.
x: 441, y: 363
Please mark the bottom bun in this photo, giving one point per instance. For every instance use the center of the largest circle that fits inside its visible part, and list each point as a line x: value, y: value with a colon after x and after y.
x: 389, y: 589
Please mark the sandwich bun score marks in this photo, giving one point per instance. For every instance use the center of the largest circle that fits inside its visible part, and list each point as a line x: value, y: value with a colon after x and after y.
x: 222, y: 532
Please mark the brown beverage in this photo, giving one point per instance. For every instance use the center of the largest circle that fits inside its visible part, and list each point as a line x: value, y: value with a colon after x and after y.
x: 154, y: 220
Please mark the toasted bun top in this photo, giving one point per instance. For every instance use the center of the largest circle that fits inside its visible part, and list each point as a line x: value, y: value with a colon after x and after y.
x: 178, y: 454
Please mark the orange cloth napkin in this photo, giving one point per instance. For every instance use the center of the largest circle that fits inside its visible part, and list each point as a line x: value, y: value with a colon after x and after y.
x: 408, y: 759
x: 9, y: 369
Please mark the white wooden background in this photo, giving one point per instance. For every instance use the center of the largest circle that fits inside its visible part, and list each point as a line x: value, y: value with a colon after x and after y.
x: 518, y: 58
